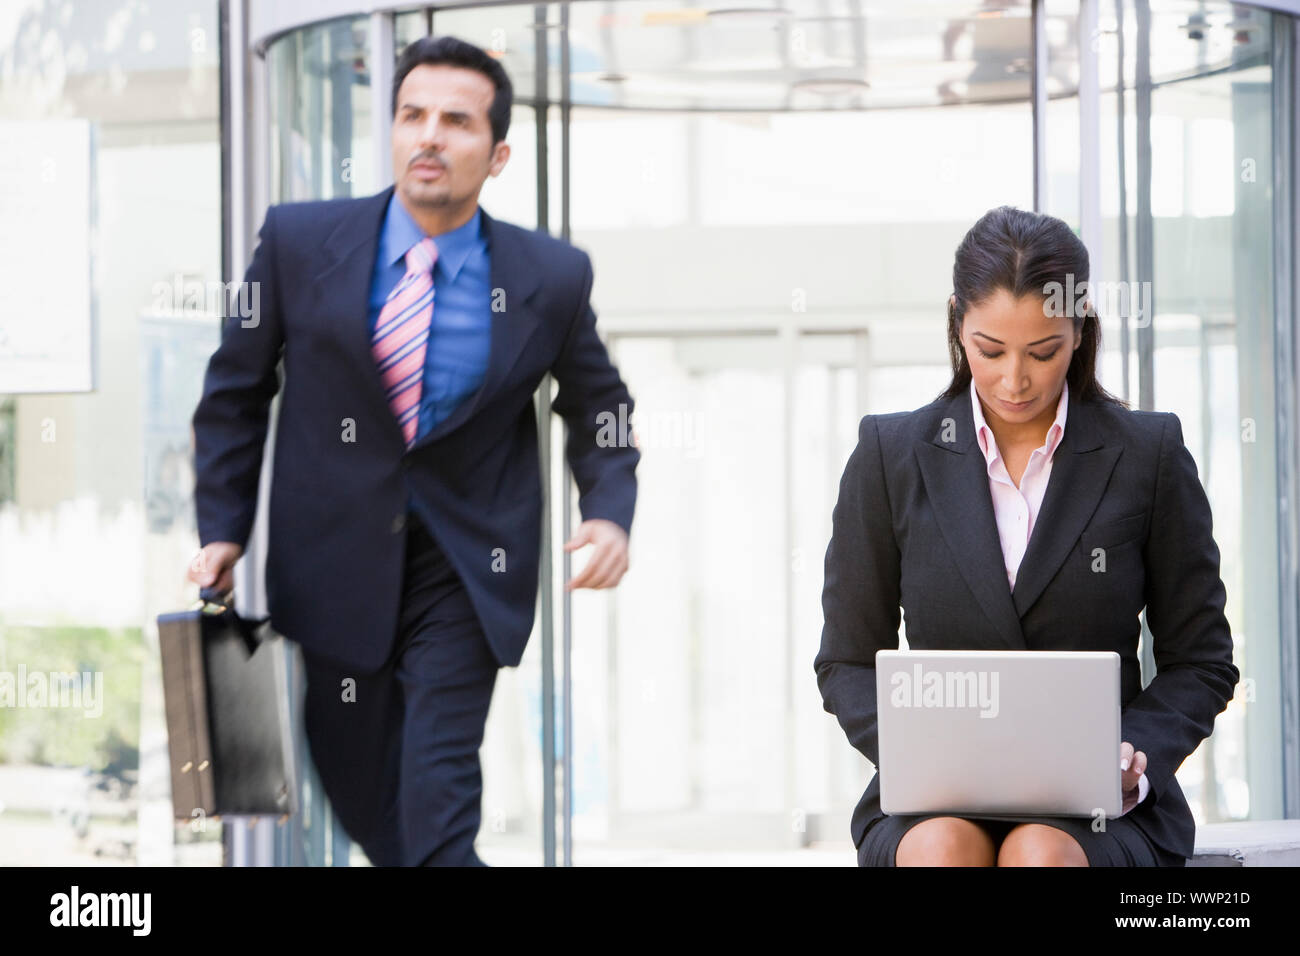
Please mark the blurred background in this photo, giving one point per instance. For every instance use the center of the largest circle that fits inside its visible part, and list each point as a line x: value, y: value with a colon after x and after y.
x: 771, y: 196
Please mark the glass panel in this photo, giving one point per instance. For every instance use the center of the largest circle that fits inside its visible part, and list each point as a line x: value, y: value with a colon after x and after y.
x: 800, y: 54
x: 1191, y: 38
x: 756, y: 316
x: 408, y: 27
x: 512, y: 748
x: 692, y: 645
x: 508, y: 33
x: 510, y: 833
x: 1211, y: 141
x: 117, y: 110
x: 320, y: 113
x: 1061, y: 192
x: 1212, y: 221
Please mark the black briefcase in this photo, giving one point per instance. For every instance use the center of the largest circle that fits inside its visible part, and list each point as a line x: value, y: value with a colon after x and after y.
x: 228, y: 724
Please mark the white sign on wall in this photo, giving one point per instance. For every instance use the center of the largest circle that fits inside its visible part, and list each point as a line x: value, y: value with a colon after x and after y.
x: 45, y: 281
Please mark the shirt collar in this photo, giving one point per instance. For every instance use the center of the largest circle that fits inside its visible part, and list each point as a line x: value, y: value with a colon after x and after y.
x: 401, y: 232
x: 987, y: 442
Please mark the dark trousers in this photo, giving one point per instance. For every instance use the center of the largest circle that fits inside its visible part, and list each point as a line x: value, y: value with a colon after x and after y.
x: 397, y: 751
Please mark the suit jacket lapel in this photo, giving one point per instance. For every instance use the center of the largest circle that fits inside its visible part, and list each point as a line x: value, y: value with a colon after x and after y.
x: 341, y: 292
x: 516, y: 276
x: 1081, y: 470
x: 956, y: 478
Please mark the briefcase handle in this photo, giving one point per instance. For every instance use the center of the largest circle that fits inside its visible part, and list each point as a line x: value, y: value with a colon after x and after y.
x: 221, y: 604
x: 212, y: 595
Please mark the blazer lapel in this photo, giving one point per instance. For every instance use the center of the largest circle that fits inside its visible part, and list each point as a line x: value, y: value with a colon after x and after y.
x: 515, y: 277
x: 1081, y: 469
x: 341, y: 292
x: 341, y: 289
x: 956, y: 478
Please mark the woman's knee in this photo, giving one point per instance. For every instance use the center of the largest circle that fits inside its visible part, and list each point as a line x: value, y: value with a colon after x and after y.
x: 1037, y: 844
x: 945, y: 841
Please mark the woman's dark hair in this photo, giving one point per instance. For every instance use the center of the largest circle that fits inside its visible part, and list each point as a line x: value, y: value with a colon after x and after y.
x: 1022, y: 252
x: 450, y: 51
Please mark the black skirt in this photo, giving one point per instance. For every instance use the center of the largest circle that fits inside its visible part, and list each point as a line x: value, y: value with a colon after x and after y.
x: 1121, y: 844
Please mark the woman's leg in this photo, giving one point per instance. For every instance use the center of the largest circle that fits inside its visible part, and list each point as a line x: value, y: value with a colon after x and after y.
x: 1037, y: 844
x: 946, y: 841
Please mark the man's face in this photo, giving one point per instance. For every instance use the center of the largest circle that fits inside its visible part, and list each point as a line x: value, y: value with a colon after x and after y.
x: 1018, y: 352
x: 442, y: 139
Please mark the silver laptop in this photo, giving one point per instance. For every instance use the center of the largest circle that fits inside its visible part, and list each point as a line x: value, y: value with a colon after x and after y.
x: 999, y: 733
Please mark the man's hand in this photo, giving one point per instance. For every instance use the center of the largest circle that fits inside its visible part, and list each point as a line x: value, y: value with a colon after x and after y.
x: 1133, y: 764
x: 215, y: 565
x: 608, y: 562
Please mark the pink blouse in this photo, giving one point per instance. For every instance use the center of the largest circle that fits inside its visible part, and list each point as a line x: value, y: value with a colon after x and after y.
x: 1016, y: 509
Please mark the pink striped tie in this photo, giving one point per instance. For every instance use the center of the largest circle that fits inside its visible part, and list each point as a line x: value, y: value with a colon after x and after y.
x: 401, y: 334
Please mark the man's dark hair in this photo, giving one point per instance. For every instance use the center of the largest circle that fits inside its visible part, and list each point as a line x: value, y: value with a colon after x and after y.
x: 450, y: 51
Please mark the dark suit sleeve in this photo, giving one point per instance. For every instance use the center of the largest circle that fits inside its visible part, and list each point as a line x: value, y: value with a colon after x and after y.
x: 1192, y: 643
x: 230, y: 422
x: 860, y: 594
x: 589, y: 399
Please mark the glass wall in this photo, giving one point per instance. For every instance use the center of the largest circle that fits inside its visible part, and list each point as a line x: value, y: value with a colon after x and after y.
x: 1212, y: 353
x: 110, y: 213
x: 763, y: 243
x: 320, y: 112
x: 771, y: 199
x: 1187, y: 265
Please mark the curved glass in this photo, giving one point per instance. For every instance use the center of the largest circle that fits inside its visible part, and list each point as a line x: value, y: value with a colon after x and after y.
x: 771, y: 199
x: 320, y: 113
x: 1203, y: 318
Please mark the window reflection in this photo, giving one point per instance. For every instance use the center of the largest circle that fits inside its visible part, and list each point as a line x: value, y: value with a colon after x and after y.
x: 320, y: 113
x: 96, y: 515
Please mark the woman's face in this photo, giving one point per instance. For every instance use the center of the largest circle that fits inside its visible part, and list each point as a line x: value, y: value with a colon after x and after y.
x: 1018, y: 353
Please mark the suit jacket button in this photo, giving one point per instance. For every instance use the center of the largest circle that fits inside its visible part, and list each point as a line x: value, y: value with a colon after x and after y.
x: 399, y: 523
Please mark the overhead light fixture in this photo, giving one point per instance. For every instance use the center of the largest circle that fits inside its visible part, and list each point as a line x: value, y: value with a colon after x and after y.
x: 752, y: 13
x: 1195, y: 26
x: 660, y: 18
x: 1242, y: 26
x: 830, y: 85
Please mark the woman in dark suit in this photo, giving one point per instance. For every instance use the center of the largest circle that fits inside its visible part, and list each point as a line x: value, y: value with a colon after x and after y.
x: 1047, y: 525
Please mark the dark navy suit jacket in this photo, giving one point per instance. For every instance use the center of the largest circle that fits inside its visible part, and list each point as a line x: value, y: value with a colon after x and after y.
x: 343, y: 480
x: 914, y: 528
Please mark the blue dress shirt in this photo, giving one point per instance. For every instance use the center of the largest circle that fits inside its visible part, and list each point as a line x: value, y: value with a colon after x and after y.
x: 456, y: 357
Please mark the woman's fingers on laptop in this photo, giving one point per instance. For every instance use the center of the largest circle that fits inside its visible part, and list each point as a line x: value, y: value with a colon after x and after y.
x: 1133, y: 763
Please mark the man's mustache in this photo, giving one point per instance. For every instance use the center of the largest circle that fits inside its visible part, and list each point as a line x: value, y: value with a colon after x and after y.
x: 430, y: 160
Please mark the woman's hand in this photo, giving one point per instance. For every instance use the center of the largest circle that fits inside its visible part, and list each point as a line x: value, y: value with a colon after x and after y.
x: 1133, y: 763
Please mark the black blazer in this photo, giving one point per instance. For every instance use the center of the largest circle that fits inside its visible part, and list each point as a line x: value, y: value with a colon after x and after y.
x: 914, y: 527
x: 338, y: 508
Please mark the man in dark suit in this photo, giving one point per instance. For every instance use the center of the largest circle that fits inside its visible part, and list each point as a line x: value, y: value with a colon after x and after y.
x: 406, y: 495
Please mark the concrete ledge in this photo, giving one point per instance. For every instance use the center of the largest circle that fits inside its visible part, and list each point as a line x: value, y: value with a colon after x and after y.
x: 1248, y: 843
